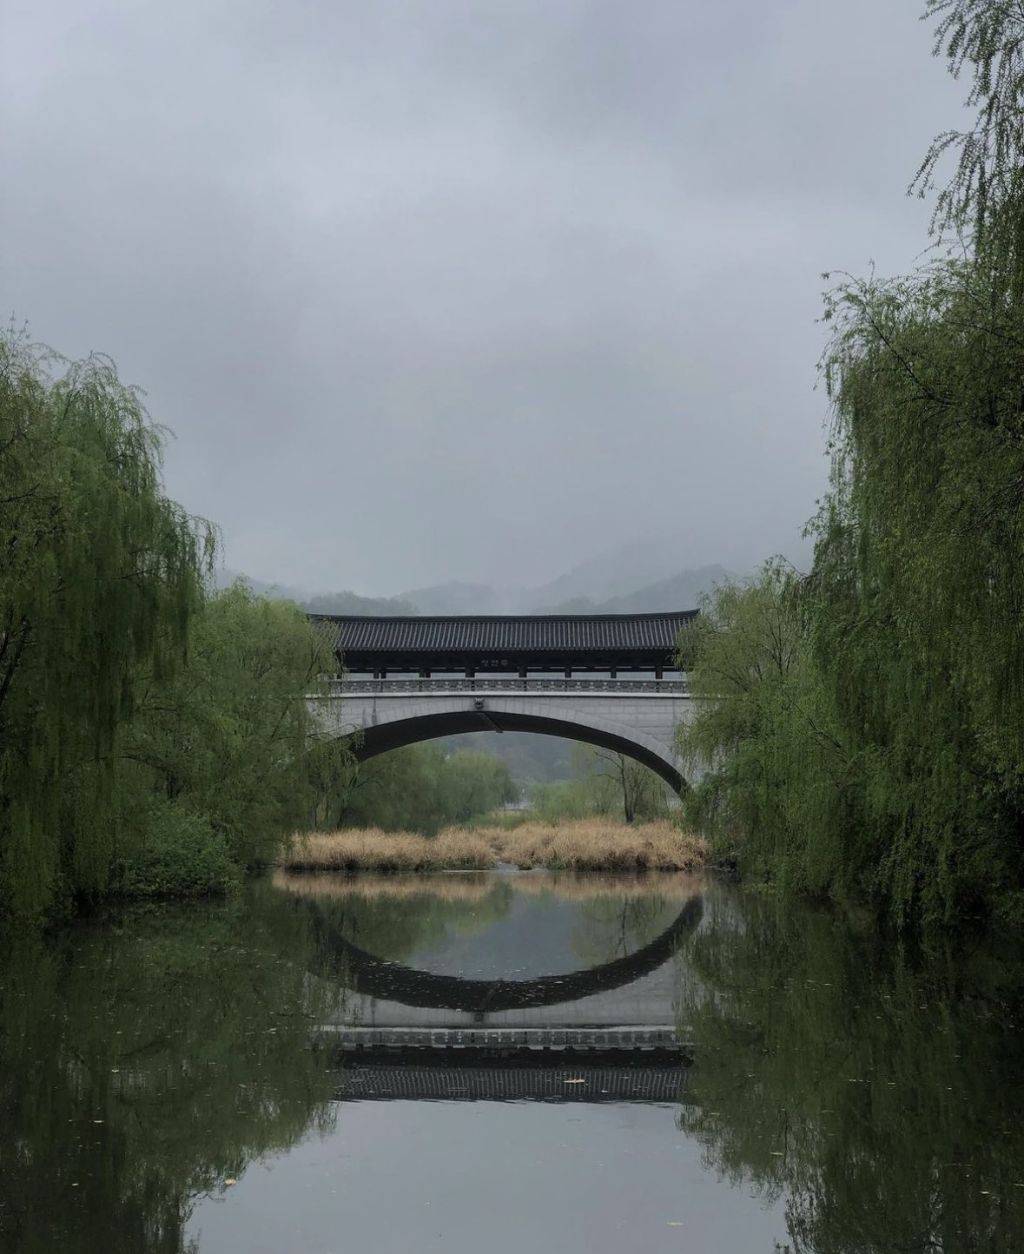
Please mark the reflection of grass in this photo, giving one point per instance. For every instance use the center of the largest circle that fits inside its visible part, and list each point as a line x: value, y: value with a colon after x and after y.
x: 583, y: 845
x: 565, y: 886
x: 370, y: 887
x: 671, y: 885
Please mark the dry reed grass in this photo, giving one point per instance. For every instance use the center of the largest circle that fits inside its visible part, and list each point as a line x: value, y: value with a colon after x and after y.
x: 582, y: 845
x: 598, y: 845
x: 371, y: 849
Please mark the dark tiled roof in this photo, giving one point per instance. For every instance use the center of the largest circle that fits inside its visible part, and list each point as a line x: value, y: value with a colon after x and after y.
x: 519, y: 634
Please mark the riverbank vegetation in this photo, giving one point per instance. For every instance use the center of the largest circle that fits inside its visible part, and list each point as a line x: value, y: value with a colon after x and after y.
x: 153, y: 733
x: 147, y: 1060
x: 868, y: 730
x: 875, y: 1090
x: 579, y: 845
x: 603, y: 785
x: 421, y: 788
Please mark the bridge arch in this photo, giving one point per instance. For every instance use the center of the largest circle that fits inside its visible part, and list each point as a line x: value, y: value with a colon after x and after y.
x: 372, y: 739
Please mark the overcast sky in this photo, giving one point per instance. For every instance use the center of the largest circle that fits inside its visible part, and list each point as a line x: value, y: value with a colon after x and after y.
x: 465, y: 290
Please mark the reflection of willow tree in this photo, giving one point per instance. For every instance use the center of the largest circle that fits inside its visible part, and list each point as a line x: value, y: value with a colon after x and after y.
x: 395, y: 927
x: 143, y: 1064
x: 869, y: 1088
x: 614, y: 925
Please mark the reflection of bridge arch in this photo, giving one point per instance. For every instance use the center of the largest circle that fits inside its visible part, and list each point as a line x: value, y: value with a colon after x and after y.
x: 388, y: 981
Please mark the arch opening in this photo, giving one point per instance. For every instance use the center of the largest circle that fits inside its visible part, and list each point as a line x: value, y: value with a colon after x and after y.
x: 371, y: 741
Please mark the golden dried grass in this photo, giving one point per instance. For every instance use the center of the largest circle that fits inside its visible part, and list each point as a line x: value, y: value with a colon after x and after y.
x: 372, y: 849
x: 581, y: 845
x: 599, y: 845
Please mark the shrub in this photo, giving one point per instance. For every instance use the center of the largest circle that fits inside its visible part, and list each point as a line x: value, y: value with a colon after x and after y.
x: 177, y: 854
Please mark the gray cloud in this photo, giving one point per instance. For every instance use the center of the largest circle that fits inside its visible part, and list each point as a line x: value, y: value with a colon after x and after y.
x: 449, y: 290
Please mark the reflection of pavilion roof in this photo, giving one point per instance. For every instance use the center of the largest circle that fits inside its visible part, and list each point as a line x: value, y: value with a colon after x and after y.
x: 502, y: 1083
x: 509, y: 642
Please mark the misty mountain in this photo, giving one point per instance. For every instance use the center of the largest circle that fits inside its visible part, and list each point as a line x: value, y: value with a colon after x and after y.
x: 458, y: 598
x: 638, y: 578
x: 320, y: 602
x: 643, y: 576
x: 359, y: 606
x: 682, y: 591
x: 615, y: 574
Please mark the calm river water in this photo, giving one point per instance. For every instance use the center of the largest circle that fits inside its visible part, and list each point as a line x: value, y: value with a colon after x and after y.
x: 506, y: 1062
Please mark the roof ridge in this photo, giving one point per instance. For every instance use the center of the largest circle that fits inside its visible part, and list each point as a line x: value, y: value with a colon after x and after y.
x: 504, y: 618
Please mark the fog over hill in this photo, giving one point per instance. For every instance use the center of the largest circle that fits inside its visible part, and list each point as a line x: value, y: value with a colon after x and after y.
x: 637, y: 578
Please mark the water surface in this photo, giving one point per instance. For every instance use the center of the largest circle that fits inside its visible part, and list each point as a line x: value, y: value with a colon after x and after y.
x: 336, y: 1063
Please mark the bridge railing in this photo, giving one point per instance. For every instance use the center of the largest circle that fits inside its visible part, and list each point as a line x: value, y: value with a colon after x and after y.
x: 493, y: 684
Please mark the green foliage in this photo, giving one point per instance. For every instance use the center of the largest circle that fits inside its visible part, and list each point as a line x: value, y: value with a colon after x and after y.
x: 615, y: 782
x: 353, y: 603
x: 776, y: 792
x: 919, y: 576
x: 562, y: 800
x: 175, y: 854
x: 982, y: 37
x: 872, y: 1089
x: 605, y: 783
x: 147, y: 728
x: 145, y: 1061
x: 99, y: 579
x: 886, y: 756
x: 231, y: 736
x: 421, y: 788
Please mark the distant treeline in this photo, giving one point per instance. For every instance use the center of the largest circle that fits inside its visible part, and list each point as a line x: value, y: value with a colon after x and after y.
x: 421, y: 788
x: 867, y: 728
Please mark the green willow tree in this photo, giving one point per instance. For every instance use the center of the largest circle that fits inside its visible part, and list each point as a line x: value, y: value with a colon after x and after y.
x: 100, y: 577
x: 231, y: 737
x: 886, y: 758
x: 779, y: 784
x: 918, y: 601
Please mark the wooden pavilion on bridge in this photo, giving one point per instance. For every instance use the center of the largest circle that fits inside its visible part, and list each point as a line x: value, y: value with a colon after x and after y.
x: 519, y: 644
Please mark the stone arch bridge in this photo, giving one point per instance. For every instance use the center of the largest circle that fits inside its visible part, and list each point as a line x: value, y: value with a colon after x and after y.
x: 610, y: 680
